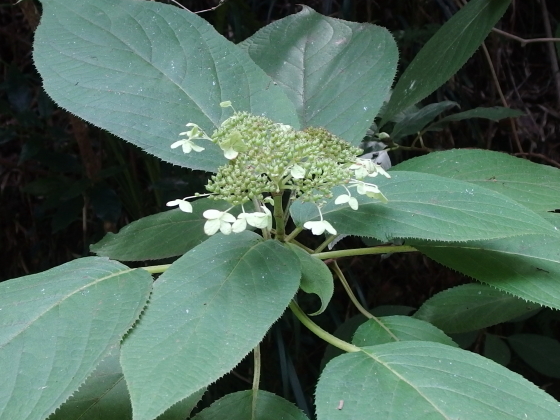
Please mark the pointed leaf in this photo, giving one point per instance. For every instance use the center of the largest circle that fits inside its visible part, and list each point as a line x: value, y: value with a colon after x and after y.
x: 104, y: 396
x: 423, y: 380
x: 414, y: 122
x: 540, y: 352
x: 58, y: 325
x: 207, y: 311
x: 142, y: 70
x: 495, y: 113
x: 428, y: 207
x: 445, y: 53
x: 471, y: 307
x: 535, y: 186
x: 336, y: 73
x: 239, y: 406
x: 389, y: 329
x: 315, y: 277
x: 161, y: 235
x: 527, y: 267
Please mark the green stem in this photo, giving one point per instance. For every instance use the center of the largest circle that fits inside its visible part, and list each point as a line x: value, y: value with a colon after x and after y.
x: 256, y: 378
x: 294, y: 233
x: 349, y: 291
x: 365, y: 251
x: 357, y: 304
x: 279, y: 216
x: 321, y: 333
x: 156, y: 269
x: 325, y: 243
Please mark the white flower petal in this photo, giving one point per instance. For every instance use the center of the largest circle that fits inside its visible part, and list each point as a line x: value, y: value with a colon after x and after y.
x: 342, y: 198
x: 211, y: 226
x: 353, y: 203
x: 316, y: 228
x: 173, y: 203
x: 177, y: 144
x: 329, y: 227
x: 240, y: 224
x: 197, y: 148
x: 212, y: 214
x: 297, y: 172
x: 226, y: 217
x: 225, y: 228
x: 185, y: 206
x: 258, y: 220
x: 230, y: 154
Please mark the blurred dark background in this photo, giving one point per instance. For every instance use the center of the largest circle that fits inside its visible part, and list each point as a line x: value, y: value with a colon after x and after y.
x: 65, y: 183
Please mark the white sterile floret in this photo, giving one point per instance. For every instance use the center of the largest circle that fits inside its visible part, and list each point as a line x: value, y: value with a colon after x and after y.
x: 318, y: 227
x: 187, y: 146
x: 260, y: 220
x: 218, y: 220
x: 183, y: 204
x: 346, y: 198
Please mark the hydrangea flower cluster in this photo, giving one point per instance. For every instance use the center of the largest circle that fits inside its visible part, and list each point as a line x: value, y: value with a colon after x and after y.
x: 268, y: 158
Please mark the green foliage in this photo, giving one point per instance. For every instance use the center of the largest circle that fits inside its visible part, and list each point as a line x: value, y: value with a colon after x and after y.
x: 427, y: 206
x: 221, y: 297
x: 243, y: 405
x: 88, y: 340
x: 471, y: 307
x: 445, y: 53
x: 309, y: 56
x: 410, y: 380
x: 58, y: 325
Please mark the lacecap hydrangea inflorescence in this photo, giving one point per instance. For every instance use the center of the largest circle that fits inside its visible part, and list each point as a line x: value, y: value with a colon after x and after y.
x: 266, y: 158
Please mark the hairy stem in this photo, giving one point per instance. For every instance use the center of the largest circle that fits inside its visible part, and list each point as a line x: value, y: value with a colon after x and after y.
x: 319, y: 332
x: 256, y: 378
x: 279, y: 216
x: 349, y: 291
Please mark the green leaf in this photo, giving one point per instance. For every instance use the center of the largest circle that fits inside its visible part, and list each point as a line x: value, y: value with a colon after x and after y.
x: 540, y: 352
x: 527, y: 267
x: 428, y: 207
x: 423, y: 380
x: 445, y: 53
x: 142, y: 70
x: 336, y: 73
x: 58, y: 325
x: 239, y: 406
x: 398, y: 328
x: 496, y: 349
x: 104, y: 396
x: 161, y: 235
x: 207, y: 311
x: 495, y: 113
x: 414, y: 122
x: 535, y: 186
x: 471, y: 307
x: 315, y: 277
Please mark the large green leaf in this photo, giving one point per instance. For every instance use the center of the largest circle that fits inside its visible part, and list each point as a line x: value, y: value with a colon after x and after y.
x: 336, y: 73
x: 104, y: 396
x: 161, y: 235
x: 315, y: 277
x: 244, y: 405
x: 207, y: 311
x: 428, y: 207
x: 527, y: 267
x: 142, y: 70
x: 56, y: 328
x: 388, y: 329
x: 423, y: 380
x: 471, y: 307
x: 535, y: 186
x: 445, y: 53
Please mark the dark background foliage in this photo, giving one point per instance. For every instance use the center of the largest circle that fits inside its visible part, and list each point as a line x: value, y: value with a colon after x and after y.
x: 65, y: 183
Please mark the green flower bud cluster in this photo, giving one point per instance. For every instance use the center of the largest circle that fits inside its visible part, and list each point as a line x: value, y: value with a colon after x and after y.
x: 271, y: 157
